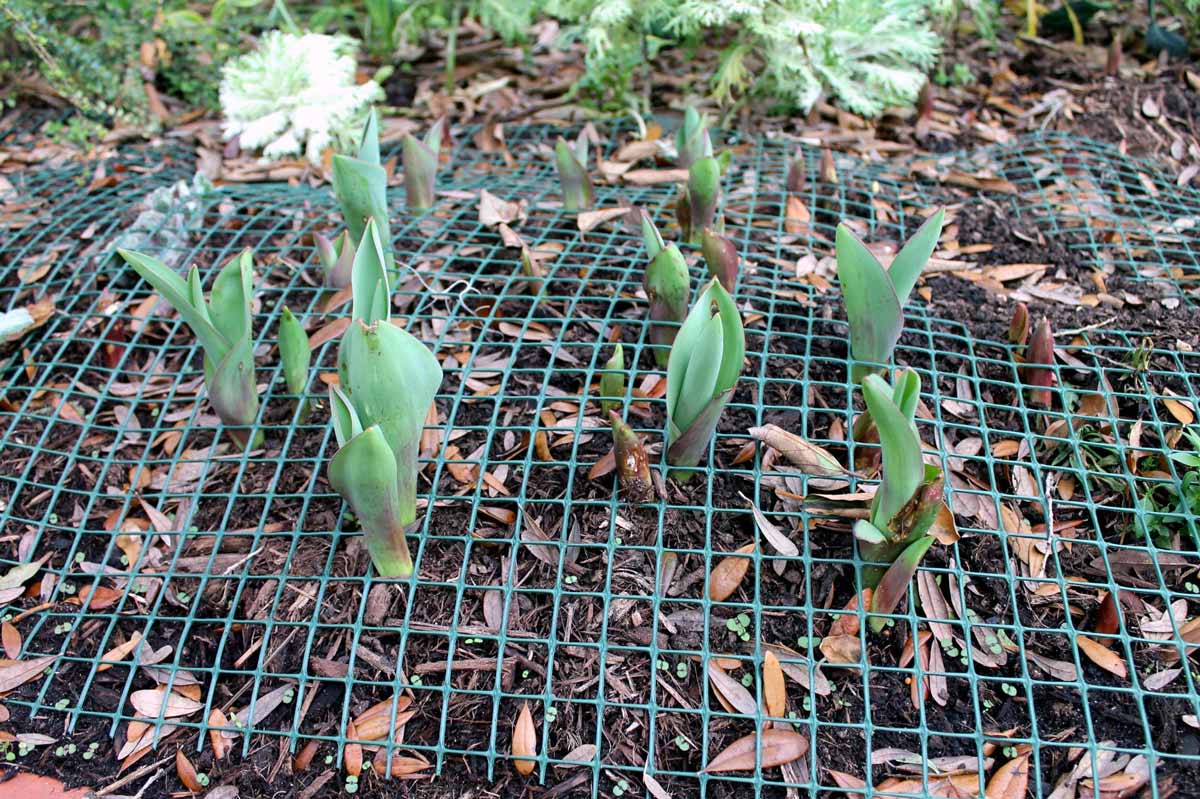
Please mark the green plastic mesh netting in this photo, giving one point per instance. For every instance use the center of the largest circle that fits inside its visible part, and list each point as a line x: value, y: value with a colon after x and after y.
x: 244, y: 579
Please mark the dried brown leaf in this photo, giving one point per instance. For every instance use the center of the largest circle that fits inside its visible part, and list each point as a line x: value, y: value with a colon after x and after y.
x: 187, y: 772
x: 727, y: 575
x: 774, y: 747
x: 773, y: 686
x: 1010, y: 781
x: 1102, y: 656
x: 731, y: 690
x: 17, y: 674
x: 154, y: 702
x: 524, y: 742
x: 11, y: 638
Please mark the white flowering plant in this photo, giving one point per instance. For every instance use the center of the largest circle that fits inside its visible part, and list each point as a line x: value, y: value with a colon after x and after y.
x: 296, y: 94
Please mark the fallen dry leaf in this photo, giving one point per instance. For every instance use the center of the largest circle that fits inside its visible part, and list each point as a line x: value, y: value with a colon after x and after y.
x: 777, y: 747
x: 11, y: 638
x: 773, y: 686
x: 220, y: 745
x: 159, y: 701
x: 187, y: 772
x: 17, y: 674
x: 1010, y: 781
x: 727, y: 575
x: 524, y: 742
x: 731, y: 690
x: 1102, y: 656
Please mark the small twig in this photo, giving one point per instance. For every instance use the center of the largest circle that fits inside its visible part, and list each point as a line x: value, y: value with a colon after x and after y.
x: 133, y: 775
x: 1079, y: 330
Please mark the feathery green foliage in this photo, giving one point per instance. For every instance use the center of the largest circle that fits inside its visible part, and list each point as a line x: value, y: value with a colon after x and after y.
x: 866, y: 54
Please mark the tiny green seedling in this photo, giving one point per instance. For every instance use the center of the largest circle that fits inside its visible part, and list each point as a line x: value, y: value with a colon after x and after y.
x: 387, y: 382
x: 702, y: 372
x: 420, y: 166
x: 222, y: 326
x: 667, y: 285
x: 909, y: 497
x: 875, y: 297
x: 572, y: 163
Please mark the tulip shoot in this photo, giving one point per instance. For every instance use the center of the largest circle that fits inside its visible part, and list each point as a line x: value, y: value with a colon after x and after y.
x: 360, y: 185
x: 908, y: 499
x: 420, y: 167
x: 875, y: 296
x: 702, y: 370
x: 222, y: 326
x: 633, y: 466
x: 612, y: 382
x: 666, y: 283
x: 721, y: 258
x: 692, y: 141
x: 387, y: 382
x: 1039, y: 358
x: 697, y: 205
x: 295, y: 355
x: 337, y: 259
x: 572, y: 163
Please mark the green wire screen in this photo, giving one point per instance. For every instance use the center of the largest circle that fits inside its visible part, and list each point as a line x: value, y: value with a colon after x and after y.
x: 245, y: 579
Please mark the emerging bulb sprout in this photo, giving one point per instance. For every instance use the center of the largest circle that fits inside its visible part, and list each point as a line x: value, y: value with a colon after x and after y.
x: 702, y: 372
x: 387, y: 382
x: 666, y: 283
x: 222, y: 326
x: 875, y: 296
x: 572, y: 163
x: 420, y: 166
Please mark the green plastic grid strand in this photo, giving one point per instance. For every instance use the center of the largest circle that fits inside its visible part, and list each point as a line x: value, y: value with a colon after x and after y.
x: 259, y: 567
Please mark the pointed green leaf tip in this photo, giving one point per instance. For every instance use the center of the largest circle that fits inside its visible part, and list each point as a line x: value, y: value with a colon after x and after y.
x: 573, y: 175
x: 903, y: 469
x: 873, y: 296
x: 692, y: 141
x: 702, y: 370
x: 360, y: 185
x: 612, y: 382
x: 294, y: 352
x: 420, y: 167
x: 371, y: 298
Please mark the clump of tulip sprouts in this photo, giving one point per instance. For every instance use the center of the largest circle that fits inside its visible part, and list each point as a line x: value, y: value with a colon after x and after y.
x: 387, y: 382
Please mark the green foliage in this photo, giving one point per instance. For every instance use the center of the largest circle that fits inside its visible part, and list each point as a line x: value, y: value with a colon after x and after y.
x: 1183, y: 505
x: 392, y: 28
x: 874, y: 296
x: 222, y: 326
x: 702, y: 371
x: 867, y: 54
x: 89, y: 53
